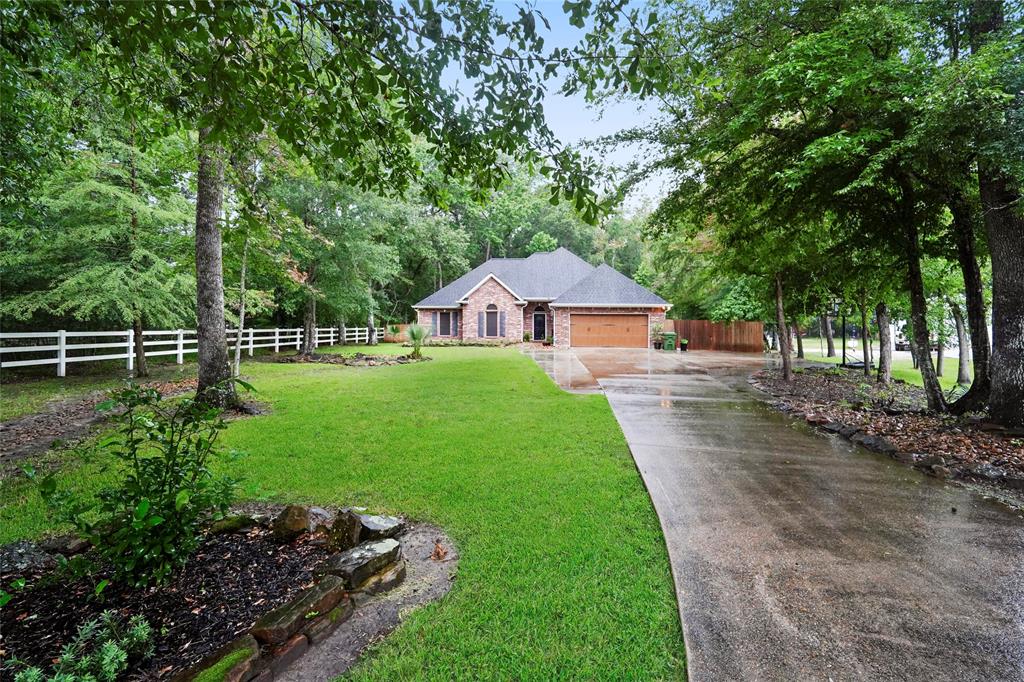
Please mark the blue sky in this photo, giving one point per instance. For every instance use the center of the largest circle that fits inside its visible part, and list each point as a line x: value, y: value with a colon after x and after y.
x: 571, y: 118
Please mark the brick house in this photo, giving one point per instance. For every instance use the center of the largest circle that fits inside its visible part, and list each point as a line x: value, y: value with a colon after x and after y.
x: 555, y: 295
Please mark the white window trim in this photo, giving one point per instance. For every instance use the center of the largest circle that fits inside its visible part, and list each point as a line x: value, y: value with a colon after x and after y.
x: 497, y: 322
x: 533, y: 321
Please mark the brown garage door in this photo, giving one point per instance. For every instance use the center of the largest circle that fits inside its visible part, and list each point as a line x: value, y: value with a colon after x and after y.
x: 608, y: 331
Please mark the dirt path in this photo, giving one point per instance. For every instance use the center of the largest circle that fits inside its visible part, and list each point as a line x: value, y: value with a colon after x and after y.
x: 61, y: 423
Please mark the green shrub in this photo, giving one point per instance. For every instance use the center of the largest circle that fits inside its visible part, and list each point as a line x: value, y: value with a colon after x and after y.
x: 149, y: 523
x: 417, y: 335
x: 100, y: 652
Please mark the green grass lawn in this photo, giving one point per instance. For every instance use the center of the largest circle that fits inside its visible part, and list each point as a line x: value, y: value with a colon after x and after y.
x: 901, y: 369
x: 19, y: 398
x: 563, y: 570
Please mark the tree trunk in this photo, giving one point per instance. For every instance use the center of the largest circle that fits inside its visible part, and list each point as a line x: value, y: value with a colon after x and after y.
x: 963, y: 374
x: 1004, y: 225
x: 865, y: 341
x: 371, y: 331
x: 799, y: 341
x: 141, y: 368
x: 977, y: 316
x: 775, y: 341
x: 309, y: 326
x: 826, y: 326
x: 884, y: 375
x: 940, y: 355
x: 214, y: 372
x: 918, y: 314
x: 780, y: 320
x: 241, y: 305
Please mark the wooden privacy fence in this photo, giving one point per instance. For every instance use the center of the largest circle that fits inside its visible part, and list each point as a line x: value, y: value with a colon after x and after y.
x: 26, y: 349
x: 743, y: 337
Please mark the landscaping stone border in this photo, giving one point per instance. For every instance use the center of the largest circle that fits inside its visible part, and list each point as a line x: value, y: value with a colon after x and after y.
x: 369, y: 562
x: 355, y: 360
x: 933, y: 465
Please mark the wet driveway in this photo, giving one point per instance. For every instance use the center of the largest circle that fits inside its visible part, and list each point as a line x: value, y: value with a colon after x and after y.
x: 798, y: 556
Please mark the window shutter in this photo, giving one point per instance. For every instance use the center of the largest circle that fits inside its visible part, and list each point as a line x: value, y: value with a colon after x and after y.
x: 455, y: 323
x: 480, y: 324
x: 501, y: 323
x: 433, y: 326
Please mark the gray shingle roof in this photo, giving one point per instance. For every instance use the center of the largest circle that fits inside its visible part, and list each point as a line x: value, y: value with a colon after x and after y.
x: 547, y: 276
x: 607, y: 286
x: 541, y: 276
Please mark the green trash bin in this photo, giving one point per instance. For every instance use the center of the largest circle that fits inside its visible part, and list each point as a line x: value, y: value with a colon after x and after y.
x: 670, y: 341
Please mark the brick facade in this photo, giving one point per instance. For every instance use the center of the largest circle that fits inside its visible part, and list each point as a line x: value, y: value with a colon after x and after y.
x: 425, y: 318
x: 561, y: 322
x: 528, y: 312
x: 490, y: 292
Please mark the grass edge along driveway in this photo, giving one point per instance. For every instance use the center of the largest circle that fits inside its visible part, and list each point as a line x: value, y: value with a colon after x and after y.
x: 563, y: 571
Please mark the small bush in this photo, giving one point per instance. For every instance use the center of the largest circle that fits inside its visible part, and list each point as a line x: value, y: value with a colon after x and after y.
x: 417, y: 335
x: 100, y: 652
x: 149, y: 523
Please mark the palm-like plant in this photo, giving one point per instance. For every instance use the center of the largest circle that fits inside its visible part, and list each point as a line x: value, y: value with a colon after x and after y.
x: 417, y: 335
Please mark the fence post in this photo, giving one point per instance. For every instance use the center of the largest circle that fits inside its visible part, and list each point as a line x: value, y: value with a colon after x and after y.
x: 251, y: 332
x: 298, y: 337
x: 61, y: 353
x: 277, y: 339
x: 316, y: 337
x: 131, y: 348
x: 181, y: 347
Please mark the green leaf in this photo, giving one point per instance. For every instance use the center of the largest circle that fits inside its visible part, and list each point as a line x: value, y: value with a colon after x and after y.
x: 181, y: 499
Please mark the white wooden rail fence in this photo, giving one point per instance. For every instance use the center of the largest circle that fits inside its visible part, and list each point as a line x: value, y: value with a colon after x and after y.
x: 63, y: 347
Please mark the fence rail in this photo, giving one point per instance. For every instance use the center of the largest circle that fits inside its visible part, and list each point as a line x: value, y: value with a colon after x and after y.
x: 60, y: 347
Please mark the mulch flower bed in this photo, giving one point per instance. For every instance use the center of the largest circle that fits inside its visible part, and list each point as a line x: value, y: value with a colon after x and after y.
x: 894, y: 420
x: 231, y: 580
x: 356, y: 360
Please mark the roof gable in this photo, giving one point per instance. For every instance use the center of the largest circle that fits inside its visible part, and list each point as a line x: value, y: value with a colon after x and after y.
x: 559, y: 276
x: 606, y: 286
x: 491, y: 276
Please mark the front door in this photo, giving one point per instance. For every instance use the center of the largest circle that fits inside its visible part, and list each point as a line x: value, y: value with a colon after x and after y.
x: 540, y: 326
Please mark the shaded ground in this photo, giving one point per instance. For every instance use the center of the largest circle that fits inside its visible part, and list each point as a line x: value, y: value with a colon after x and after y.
x: 893, y: 419
x: 800, y: 556
x: 62, y: 422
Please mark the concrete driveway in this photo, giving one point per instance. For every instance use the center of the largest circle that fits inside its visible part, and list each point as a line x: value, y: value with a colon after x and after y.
x: 797, y: 556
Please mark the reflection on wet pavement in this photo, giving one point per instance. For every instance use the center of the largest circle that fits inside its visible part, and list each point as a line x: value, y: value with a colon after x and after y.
x: 798, y: 556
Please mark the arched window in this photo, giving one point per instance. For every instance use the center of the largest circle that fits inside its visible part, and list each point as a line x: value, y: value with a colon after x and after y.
x: 492, y: 319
